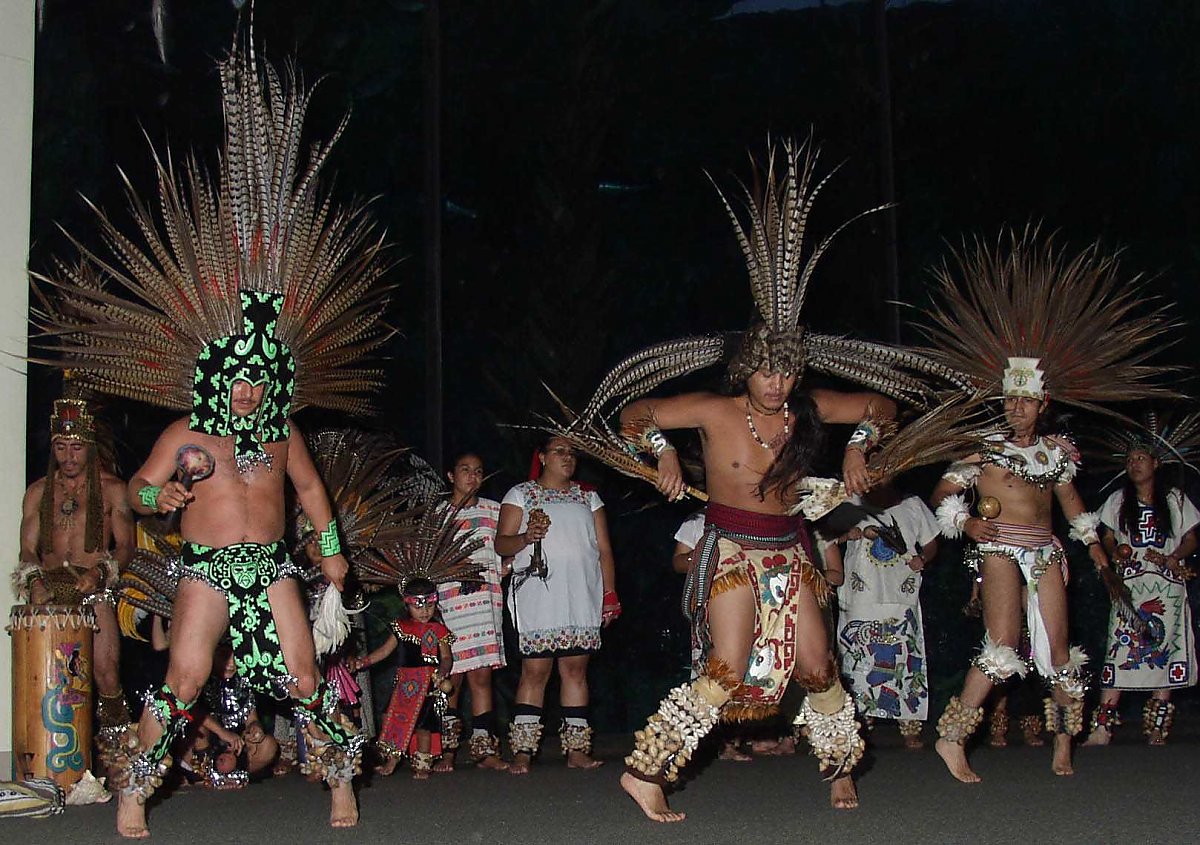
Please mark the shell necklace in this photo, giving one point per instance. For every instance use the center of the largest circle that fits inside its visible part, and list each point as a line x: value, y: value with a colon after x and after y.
x: 787, y: 428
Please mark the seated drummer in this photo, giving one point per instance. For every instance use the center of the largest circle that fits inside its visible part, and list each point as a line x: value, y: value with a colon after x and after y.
x: 76, y: 533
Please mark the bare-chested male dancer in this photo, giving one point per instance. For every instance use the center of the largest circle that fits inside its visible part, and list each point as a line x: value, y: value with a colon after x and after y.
x: 76, y: 534
x: 252, y: 297
x: 1027, y: 321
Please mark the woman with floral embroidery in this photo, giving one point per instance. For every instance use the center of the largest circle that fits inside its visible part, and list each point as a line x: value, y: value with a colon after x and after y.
x: 562, y: 593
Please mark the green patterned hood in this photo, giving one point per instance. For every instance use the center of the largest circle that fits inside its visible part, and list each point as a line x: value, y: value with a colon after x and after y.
x: 254, y: 356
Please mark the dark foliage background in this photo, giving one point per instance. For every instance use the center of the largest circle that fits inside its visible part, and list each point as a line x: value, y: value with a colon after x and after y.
x: 579, y: 224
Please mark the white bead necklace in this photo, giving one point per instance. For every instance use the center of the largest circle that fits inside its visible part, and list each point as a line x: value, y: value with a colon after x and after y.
x: 787, y: 428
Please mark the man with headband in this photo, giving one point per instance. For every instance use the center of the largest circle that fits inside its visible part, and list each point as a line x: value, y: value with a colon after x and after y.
x: 1004, y: 310
x: 76, y: 534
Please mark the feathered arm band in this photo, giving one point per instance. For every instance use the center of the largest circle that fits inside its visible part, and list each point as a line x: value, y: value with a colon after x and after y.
x: 1085, y: 528
x: 23, y: 577
x: 952, y: 514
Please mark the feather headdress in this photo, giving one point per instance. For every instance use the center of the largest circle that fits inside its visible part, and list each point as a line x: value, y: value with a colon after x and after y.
x: 255, y: 275
x: 435, y: 548
x: 1169, y: 438
x: 771, y: 234
x: 1023, y: 317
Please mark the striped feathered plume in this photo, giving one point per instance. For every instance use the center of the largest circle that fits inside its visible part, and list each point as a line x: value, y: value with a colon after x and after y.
x: 1169, y: 436
x: 772, y: 236
x: 172, y: 285
x: 435, y: 547
x: 1024, y: 296
x: 375, y: 488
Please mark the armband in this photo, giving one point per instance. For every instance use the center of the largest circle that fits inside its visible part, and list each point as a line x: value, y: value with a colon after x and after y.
x: 865, y: 436
x: 963, y: 474
x: 328, y: 540
x: 952, y: 515
x: 23, y: 577
x: 1085, y: 528
x: 646, y: 438
x: 148, y: 496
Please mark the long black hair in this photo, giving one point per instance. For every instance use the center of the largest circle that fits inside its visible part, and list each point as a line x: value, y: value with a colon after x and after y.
x: 1131, y: 509
x: 802, y: 448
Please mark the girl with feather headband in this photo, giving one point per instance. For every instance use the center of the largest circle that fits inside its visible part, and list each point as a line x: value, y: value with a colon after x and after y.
x: 1149, y: 530
x: 1028, y: 321
x: 246, y: 297
x: 755, y: 596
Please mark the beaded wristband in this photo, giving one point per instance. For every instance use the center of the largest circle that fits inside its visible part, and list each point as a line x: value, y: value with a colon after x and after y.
x: 328, y: 540
x: 148, y: 496
x: 865, y: 436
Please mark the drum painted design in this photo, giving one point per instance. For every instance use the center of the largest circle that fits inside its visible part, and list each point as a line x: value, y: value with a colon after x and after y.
x: 52, y: 691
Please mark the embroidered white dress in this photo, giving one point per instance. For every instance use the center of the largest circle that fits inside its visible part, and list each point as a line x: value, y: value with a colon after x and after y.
x: 562, y: 612
x: 476, y: 617
x: 1164, y: 656
x: 881, y: 639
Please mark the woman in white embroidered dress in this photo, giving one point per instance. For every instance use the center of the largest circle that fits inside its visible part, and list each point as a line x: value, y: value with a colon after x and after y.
x: 1150, y: 531
x: 558, y: 611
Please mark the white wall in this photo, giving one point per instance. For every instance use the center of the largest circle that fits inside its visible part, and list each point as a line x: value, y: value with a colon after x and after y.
x: 16, y: 137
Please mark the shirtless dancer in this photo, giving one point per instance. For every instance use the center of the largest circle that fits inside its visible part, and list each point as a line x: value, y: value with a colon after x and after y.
x: 76, y: 534
x: 253, y: 295
x: 1003, y: 313
x: 754, y: 595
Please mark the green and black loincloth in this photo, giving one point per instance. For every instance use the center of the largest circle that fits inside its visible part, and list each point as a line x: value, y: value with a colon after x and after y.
x: 243, y: 573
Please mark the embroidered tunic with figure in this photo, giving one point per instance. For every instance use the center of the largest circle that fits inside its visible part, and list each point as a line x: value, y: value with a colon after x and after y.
x: 1164, y: 656
x: 880, y: 638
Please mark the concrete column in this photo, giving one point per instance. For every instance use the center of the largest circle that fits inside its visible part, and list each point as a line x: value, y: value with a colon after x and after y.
x: 16, y: 140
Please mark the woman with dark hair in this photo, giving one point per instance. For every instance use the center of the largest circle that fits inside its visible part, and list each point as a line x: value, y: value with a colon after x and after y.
x: 563, y: 592
x: 474, y: 612
x: 1150, y: 530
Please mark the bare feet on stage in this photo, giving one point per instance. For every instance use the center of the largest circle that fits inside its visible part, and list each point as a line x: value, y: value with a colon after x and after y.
x: 420, y: 774
x: 579, y: 760
x: 344, y: 810
x: 1062, y: 755
x: 492, y: 762
x: 445, y: 763
x: 1100, y: 736
x: 732, y: 751
x: 913, y: 742
x: 1156, y: 738
x: 842, y: 793
x: 131, y: 817
x: 520, y: 764
x: 955, y: 758
x: 774, y: 747
x: 650, y: 797
x: 387, y: 766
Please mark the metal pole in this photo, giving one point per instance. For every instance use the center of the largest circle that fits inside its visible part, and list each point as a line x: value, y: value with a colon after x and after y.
x: 433, y: 234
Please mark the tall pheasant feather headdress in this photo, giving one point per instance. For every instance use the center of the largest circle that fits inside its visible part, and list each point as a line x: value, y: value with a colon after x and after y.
x: 255, y: 276
x: 772, y: 239
x: 1024, y: 318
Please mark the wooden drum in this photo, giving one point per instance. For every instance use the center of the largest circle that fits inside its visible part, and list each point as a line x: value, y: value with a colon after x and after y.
x: 52, y: 691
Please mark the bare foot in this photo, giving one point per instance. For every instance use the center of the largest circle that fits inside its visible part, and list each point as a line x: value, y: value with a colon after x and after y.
x: 344, y: 810
x: 520, y: 764
x: 1156, y: 738
x: 420, y: 774
x: 387, y: 766
x: 650, y: 797
x: 579, y: 760
x: 282, y: 767
x: 1100, y: 736
x: 997, y: 740
x: 1062, y: 755
x: 955, y: 758
x: 492, y: 762
x: 445, y: 763
x: 131, y: 817
x: 774, y: 747
x: 842, y: 793
x: 731, y: 751
x: 913, y: 742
